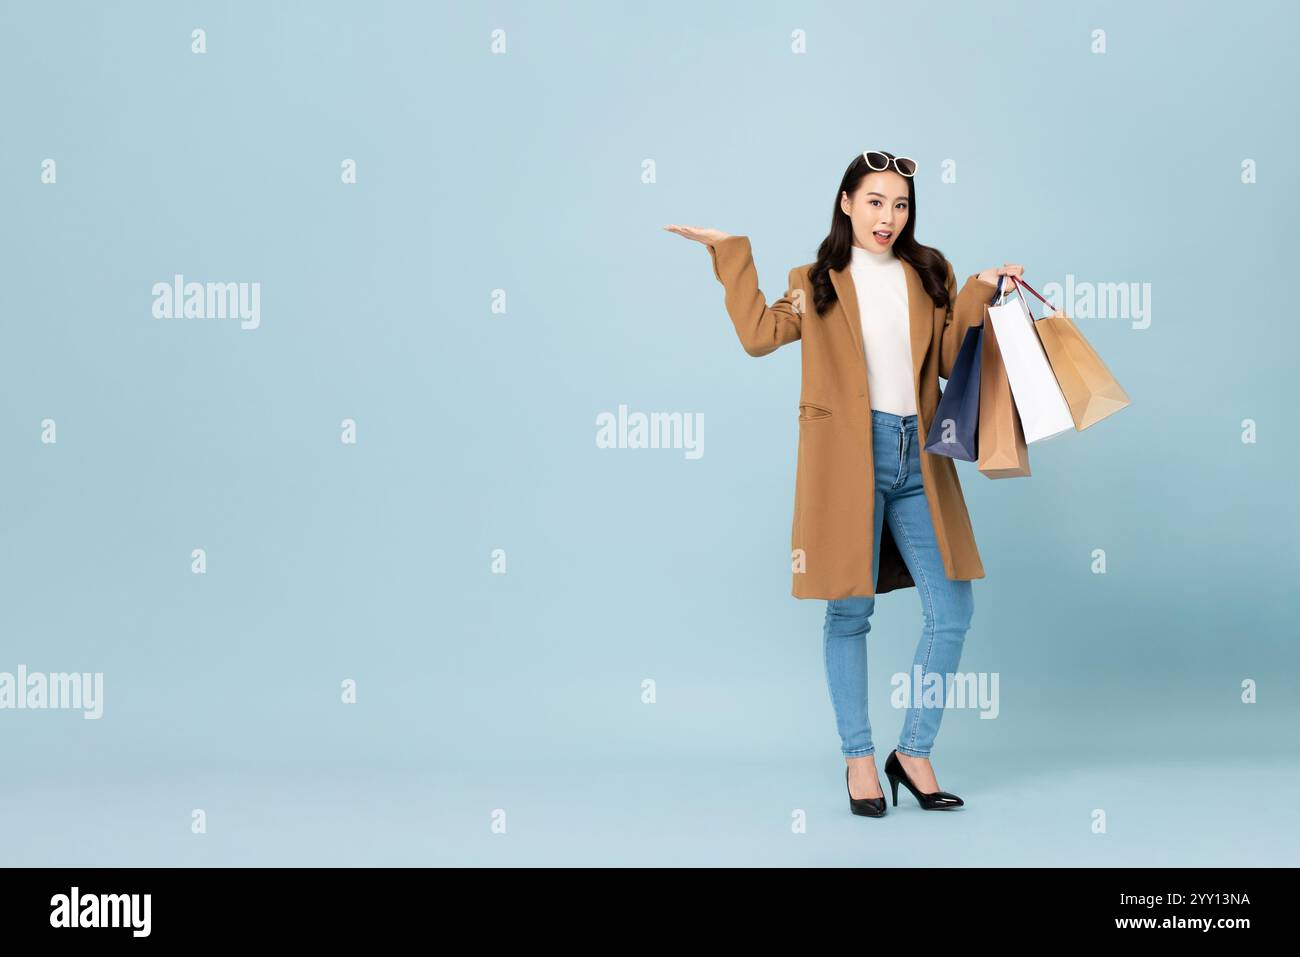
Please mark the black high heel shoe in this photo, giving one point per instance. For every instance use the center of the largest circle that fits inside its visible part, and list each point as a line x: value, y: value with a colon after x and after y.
x: 867, y: 807
x: 934, y: 801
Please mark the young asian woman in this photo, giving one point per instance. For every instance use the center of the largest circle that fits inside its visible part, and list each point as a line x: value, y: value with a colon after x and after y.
x: 879, y: 320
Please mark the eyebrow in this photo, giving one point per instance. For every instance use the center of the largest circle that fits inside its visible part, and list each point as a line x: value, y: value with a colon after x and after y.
x: 883, y: 196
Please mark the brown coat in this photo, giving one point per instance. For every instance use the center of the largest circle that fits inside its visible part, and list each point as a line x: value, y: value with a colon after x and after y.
x: 835, y: 474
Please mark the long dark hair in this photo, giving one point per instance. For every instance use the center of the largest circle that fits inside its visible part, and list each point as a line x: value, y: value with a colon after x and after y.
x: 837, y: 248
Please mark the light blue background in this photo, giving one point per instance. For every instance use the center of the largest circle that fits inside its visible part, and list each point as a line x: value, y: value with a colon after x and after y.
x: 476, y: 431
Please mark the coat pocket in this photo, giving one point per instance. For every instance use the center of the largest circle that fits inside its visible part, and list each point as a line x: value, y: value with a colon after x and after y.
x: 809, y: 411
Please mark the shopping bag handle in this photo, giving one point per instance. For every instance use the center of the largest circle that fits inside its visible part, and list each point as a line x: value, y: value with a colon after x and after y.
x: 999, y: 297
x: 1024, y: 303
x: 1021, y: 282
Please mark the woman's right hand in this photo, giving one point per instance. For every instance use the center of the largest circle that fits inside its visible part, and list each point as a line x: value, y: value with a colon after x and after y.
x: 991, y: 274
x: 710, y: 237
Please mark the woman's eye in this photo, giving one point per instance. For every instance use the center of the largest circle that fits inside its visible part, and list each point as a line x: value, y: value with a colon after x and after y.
x: 902, y: 206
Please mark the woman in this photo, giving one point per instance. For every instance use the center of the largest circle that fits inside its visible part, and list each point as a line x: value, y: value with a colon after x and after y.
x: 879, y: 321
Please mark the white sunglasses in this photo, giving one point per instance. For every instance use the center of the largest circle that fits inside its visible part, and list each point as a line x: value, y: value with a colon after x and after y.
x: 879, y: 162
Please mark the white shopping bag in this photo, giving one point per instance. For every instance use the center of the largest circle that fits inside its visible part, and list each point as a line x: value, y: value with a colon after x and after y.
x: 1038, y: 397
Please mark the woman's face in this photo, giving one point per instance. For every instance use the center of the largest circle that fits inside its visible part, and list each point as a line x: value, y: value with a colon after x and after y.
x: 879, y: 210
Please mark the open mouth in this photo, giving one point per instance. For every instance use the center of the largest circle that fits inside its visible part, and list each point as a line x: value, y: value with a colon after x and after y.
x: 883, y: 235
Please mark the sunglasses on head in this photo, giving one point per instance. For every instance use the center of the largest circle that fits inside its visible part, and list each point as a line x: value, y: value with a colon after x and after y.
x: 879, y: 162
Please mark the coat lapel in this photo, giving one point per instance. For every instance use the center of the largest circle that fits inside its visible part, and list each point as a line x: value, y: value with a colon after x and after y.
x: 920, y: 315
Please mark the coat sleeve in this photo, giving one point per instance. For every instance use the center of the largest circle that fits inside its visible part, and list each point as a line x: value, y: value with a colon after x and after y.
x: 762, y: 328
x: 964, y: 311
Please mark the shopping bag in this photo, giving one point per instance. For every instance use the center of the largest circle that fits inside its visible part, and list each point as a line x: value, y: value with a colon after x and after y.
x: 955, y: 428
x: 1090, y: 391
x: 1039, y: 400
x: 1003, y: 452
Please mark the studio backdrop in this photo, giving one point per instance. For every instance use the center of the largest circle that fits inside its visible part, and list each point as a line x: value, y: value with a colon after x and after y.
x: 328, y: 537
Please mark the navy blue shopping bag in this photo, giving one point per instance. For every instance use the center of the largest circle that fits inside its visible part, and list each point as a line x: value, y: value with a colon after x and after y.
x: 955, y: 429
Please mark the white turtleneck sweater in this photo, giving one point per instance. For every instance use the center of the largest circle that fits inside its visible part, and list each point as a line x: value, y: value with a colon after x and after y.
x: 881, y: 286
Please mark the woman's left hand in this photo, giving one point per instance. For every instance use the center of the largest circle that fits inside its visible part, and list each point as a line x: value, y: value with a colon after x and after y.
x: 990, y: 276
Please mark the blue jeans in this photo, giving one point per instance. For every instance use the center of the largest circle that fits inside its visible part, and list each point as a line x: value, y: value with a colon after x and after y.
x: 946, y: 604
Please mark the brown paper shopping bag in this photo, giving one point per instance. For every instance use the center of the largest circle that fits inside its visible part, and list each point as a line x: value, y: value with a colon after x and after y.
x: 1091, y: 392
x: 1002, y: 449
